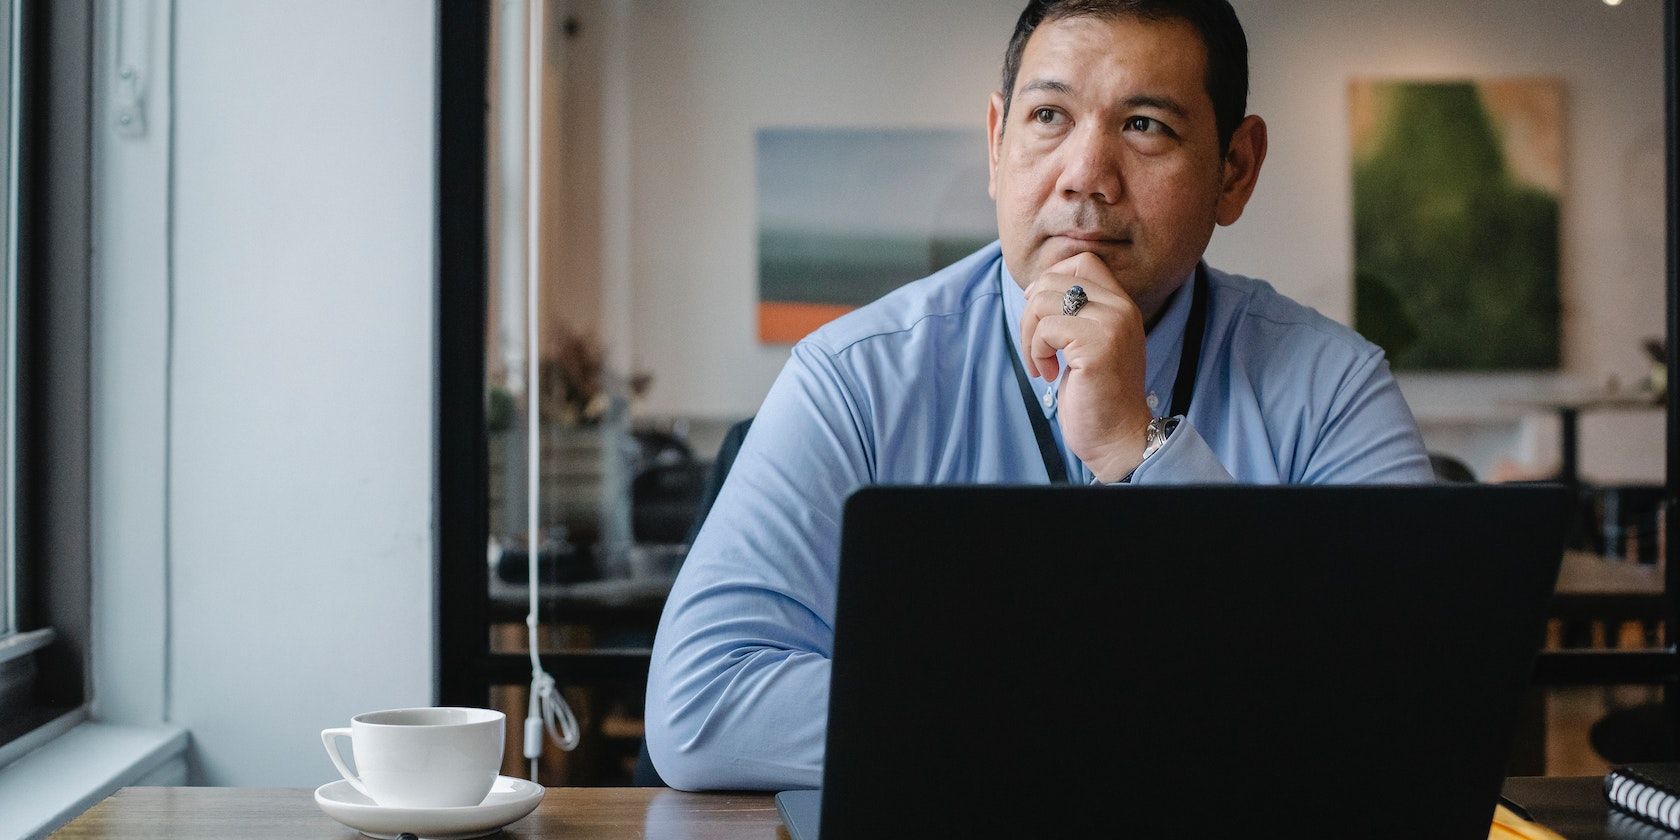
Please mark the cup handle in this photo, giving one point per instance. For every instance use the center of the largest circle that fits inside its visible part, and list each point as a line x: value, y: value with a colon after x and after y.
x: 329, y: 740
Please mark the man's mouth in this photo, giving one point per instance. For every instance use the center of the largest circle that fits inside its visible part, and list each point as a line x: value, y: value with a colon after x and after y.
x: 1093, y: 238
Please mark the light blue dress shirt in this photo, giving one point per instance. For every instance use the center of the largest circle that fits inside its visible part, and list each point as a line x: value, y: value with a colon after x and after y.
x: 917, y: 388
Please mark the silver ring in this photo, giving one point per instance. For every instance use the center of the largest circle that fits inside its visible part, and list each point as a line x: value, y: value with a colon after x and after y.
x: 1073, y: 300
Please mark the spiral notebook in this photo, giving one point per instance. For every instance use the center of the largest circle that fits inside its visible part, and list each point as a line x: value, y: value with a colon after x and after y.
x: 1650, y: 792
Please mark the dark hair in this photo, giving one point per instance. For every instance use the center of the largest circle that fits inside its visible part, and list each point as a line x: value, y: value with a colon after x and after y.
x: 1215, y: 20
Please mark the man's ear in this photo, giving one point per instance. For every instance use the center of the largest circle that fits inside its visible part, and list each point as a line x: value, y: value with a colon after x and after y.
x: 1242, y: 168
x: 994, y: 141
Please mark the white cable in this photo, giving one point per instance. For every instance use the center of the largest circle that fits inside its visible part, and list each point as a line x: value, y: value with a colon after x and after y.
x: 547, y: 708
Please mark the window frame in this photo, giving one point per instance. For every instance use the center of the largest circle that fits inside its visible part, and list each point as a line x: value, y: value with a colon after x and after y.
x: 11, y: 19
x: 48, y: 492
x: 462, y: 596
x: 113, y: 682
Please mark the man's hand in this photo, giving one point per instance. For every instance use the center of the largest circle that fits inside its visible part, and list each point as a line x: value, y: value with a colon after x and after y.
x: 1103, y: 412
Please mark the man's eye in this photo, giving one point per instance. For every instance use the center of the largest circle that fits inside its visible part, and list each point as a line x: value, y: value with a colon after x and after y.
x: 1046, y: 116
x: 1145, y: 124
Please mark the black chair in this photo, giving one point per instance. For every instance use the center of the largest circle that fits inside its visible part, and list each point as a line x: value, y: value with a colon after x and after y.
x: 666, y: 489
x: 1636, y: 734
x: 1450, y: 470
x: 645, y: 774
x: 663, y: 501
x: 731, y: 447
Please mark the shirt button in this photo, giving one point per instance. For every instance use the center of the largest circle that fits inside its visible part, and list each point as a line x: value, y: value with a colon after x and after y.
x: 1049, y: 399
x: 1153, y: 402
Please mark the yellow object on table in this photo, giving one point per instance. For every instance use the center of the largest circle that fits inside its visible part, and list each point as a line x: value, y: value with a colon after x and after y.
x: 1509, y: 826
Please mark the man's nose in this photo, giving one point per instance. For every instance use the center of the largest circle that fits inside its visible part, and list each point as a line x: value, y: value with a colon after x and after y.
x: 1091, y: 166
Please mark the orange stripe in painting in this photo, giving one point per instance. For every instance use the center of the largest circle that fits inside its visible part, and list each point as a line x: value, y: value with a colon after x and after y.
x: 784, y: 322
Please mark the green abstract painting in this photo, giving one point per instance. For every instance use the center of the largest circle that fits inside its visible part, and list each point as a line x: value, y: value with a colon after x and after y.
x: 1455, y: 209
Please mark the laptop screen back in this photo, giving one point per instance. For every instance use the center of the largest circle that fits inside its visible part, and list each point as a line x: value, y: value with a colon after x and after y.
x: 1296, y: 660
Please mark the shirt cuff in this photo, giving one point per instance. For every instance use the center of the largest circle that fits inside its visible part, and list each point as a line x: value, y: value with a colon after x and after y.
x: 1184, y: 459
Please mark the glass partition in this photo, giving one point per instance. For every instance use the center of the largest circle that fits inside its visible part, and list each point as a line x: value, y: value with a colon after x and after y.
x: 1533, y: 349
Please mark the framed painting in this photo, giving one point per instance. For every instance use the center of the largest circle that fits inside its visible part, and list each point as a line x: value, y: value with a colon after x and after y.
x: 1456, y: 187
x: 847, y: 215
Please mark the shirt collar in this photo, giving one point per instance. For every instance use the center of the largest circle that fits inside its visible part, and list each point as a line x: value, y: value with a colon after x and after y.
x: 1162, y: 346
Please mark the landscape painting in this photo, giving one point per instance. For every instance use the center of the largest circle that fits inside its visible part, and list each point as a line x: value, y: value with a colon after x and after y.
x: 1456, y: 186
x: 847, y: 215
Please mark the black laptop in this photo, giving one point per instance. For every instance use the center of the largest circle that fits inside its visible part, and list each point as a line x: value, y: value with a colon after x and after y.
x: 1185, y: 662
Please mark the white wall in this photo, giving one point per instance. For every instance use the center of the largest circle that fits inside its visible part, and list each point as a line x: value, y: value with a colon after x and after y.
x: 704, y: 76
x: 128, y: 489
x: 300, y: 431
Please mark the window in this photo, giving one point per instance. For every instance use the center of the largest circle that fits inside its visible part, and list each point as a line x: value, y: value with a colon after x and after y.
x: 8, y: 321
x: 44, y: 571
x: 16, y: 665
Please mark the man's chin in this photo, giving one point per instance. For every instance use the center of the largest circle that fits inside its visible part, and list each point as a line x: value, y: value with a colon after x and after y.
x: 1112, y: 251
x: 1119, y: 255
x: 1122, y: 258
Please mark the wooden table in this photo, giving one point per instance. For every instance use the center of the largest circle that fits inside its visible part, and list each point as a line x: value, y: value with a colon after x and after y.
x: 1569, y: 408
x: 1571, y: 806
x: 1574, y: 807
x: 1595, y: 588
x: 185, y: 813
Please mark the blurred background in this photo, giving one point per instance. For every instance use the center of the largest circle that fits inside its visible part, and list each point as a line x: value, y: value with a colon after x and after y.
x: 688, y: 143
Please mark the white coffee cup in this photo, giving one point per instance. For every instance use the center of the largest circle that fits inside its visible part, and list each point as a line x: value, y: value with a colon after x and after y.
x: 422, y: 758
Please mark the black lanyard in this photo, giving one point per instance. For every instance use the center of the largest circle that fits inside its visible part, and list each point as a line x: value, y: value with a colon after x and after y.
x: 1184, y: 385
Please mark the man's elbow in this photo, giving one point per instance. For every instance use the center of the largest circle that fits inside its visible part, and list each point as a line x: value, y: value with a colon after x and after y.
x: 682, y: 759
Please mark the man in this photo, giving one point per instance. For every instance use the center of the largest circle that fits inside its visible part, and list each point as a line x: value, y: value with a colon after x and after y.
x: 1117, y: 142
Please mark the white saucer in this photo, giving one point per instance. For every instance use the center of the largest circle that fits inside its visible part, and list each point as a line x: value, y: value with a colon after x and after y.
x: 509, y: 801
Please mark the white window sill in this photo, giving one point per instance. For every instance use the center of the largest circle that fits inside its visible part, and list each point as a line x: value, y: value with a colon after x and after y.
x: 49, y: 786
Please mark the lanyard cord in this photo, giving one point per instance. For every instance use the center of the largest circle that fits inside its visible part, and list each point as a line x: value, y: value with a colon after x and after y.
x: 1184, y: 384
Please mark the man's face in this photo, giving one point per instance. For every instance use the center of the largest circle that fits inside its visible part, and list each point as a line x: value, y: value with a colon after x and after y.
x: 1110, y: 147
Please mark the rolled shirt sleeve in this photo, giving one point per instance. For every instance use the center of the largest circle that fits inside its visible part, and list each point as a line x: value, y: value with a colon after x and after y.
x: 1184, y: 459
x: 1362, y: 433
x: 738, y: 691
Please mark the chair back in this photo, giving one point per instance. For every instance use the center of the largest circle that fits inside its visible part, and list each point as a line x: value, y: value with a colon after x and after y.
x: 645, y: 774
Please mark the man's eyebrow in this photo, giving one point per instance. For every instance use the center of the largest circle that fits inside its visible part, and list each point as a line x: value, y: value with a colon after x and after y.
x: 1050, y: 85
x: 1142, y: 100
x: 1159, y: 103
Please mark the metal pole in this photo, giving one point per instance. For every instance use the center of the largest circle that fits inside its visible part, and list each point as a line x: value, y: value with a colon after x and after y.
x: 1671, y: 691
x: 1569, y: 425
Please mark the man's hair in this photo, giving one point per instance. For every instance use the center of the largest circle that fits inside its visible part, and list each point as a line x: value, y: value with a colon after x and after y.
x: 1215, y: 20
